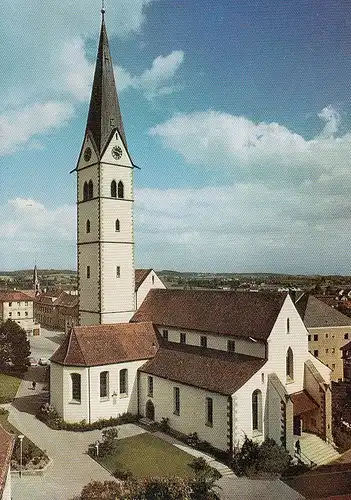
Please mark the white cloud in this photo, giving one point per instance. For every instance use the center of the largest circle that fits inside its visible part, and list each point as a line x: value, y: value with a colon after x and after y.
x: 18, y: 127
x: 157, y: 80
x: 257, y: 151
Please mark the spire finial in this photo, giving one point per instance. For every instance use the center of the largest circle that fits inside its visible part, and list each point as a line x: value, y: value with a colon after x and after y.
x: 103, y: 8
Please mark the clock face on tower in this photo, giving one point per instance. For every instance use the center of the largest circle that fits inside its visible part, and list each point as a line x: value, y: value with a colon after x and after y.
x: 117, y: 152
x: 87, y: 154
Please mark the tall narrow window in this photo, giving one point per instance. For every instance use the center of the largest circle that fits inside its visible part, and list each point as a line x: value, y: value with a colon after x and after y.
x: 165, y: 334
x: 104, y: 385
x: 120, y: 190
x: 91, y: 189
x: 176, y: 401
x: 289, y: 365
x: 87, y: 226
x: 113, y: 189
x: 123, y: 382
x: 76, y: 387
x: 85, y: 191
x: 117, y: 226
x: 153, y: 281
x: 150, y: 386
x: 257, y: 411
x: 231, y: 345
x: 118, y: 271
x: 287, y: 325
x: 209, y: 412
x: 88, y: 271
x: 203, y: 341
x: 182, y: 338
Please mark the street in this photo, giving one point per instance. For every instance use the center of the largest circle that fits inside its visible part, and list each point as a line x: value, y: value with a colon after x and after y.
x: 45, y: 344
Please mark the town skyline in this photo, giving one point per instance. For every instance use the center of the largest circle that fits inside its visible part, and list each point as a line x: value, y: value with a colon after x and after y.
x: 238, y: 116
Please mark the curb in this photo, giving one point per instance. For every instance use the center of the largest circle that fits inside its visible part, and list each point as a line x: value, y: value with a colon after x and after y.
x: 33, y: 472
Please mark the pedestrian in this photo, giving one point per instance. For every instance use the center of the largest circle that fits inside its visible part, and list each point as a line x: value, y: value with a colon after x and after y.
x: 34, y: 384
x: 298, y: 447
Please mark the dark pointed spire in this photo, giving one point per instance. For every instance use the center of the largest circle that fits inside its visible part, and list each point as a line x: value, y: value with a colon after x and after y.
x: 104, y: 111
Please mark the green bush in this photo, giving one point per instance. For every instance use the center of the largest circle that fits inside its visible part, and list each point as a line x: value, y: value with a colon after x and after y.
x: 123, y: 475
x: 254, y: 459
x: 164, y: 425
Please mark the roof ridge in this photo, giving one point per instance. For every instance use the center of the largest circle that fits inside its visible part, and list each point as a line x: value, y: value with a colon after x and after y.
x: 79, y: 345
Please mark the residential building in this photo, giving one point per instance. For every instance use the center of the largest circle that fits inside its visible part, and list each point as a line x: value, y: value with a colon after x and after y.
x: 328, y: 330
x: 7, y: 441
x: 18, y: 307
x: 346, y: 359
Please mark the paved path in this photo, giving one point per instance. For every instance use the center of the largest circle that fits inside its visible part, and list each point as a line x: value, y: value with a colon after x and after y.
x: 71, y: 468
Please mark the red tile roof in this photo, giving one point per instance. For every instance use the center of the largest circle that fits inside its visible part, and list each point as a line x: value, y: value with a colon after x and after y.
x: 140, y: 276
x: 107, y: 344
x: 7, y: 441
x: 303, y: 402
x: 209, y: 369
x: 14, y: 296
x: 241, y: 314
x: 66, y: 300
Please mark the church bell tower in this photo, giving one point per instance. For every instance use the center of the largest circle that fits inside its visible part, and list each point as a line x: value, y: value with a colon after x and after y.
x: 105, y: 239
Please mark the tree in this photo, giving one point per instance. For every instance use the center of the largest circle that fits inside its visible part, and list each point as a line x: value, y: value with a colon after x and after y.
x: 108, y: 490
x: 13, y: 342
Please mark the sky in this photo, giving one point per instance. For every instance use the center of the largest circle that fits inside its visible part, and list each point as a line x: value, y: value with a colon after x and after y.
x: 237, y: 112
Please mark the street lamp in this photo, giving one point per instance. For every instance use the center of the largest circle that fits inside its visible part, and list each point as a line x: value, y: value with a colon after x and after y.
x: 20, y: 437
x: 97, y: 443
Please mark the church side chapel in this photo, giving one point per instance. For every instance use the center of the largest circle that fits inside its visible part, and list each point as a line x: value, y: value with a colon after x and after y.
x: 222, y: 364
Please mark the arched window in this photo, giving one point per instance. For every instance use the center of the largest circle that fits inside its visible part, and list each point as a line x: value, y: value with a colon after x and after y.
x: 104, y: 389
x: 289, y: 364
x: 117, y: 225
x: 76, y: 387
x: 87, y: 226
x: 120, y: 190
x: 85, y: 191
x: 113, y: 189
x: 123, y: 382
x: 257, y: 411
x: 91, y: 189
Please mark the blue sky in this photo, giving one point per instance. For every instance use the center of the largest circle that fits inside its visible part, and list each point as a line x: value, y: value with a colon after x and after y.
x: 238, y: 115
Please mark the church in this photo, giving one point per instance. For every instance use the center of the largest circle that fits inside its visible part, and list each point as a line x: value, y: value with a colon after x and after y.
x: 223, y: 364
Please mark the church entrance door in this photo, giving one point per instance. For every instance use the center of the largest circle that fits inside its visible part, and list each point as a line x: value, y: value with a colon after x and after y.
x: 150, y: 410
x: 297, y: 425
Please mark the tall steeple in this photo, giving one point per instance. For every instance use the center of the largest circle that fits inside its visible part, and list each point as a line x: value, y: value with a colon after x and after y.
x: 36, y: 284
x: 104, y: 117
x: 105, y: 198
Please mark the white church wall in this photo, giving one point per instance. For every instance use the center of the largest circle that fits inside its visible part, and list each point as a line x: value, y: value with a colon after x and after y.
x: 115, y: 404
x: 192, y: 415
x: 110, y: 212
x: 85, y: 175
x: 113, y: 172
x: 56, y: 387
x: 88, y: 286
x: 72, y: 410
x: 151, y: 281
x: 82, y: 163
x: 107, y: 156
x: 242, y: 346
x: 87, y: 211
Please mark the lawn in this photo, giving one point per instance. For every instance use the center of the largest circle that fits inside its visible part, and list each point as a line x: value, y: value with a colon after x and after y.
x: 146, y: 455
x: 8, y: 387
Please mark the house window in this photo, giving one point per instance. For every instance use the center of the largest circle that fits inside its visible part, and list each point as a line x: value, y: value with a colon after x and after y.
x: 309, y: 338
x: 150, y: 386
x: 333, y: 366
x: 165, y: 334
x: 18, y: 304
x: 90, y: 189
x: 18, y: 313
x: 315, y: 353
x: 333, y: 350
x: 10, y: 314
x: 183, y: 338
x: 203, y: 341
x: 117, y: 226
x: 10, y: 304
x: 289, y: 365
x: 287, y: 325
x: 76, y: 387
x: 209, y: 412
x: 87, y: 226
x: 26, y: 303
x: 118, y: 272
x: 262, y: 378
x: 327, y: 335
x: 88, y: 271
x: 315, y: 337
x: 257, y: 411
x: 231, y: 345
x: 113, y: 189
x: 123, y: 382
x: 346, y: 336
x: 120, y: 190
x: 104, y: 389
x: 85, y: 191
x: 176, y: 401
x: 326, y: 351
x: 26, y: 313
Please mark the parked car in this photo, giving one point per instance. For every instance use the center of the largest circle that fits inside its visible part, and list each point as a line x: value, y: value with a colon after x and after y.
x: 33, y: 361
x: 43, y: 361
